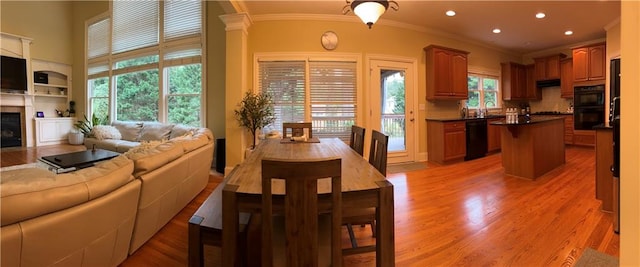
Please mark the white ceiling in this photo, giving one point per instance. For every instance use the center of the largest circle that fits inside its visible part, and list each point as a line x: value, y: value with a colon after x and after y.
x: 521, y: 32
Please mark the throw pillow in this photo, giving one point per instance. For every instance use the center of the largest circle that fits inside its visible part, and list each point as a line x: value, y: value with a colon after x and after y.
x: 155, y: 131
x: 130, y: 130
x: 181, y: 130
x: 102, y: 132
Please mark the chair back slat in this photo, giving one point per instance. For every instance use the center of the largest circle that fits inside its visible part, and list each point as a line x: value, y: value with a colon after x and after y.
x: 301, y: 209
x: 378, y: 151
x: 297, y: 129
x: 356, y: 142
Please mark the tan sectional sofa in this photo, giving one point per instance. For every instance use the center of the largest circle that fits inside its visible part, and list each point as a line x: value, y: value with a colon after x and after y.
x: 47, y: 221
x: 83, y: 218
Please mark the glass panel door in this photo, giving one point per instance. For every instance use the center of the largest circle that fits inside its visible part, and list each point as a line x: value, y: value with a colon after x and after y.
x: 392, y: 111
x: 393, y: 108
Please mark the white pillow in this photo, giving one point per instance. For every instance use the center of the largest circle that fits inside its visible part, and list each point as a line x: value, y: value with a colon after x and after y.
x: 106, y: 132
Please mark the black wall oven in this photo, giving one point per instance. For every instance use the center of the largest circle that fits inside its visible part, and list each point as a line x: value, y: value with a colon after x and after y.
x: 588, y: 105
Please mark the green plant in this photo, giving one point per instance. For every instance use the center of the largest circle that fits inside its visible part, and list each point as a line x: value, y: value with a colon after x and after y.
x: 85, y: 126
x: 254, y: 112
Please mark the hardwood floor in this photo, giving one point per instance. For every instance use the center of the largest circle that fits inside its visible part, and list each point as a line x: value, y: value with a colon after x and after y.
x: 467, y: 214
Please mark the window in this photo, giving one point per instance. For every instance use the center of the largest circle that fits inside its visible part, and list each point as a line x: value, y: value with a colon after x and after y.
x: 145, y: 62
x: 483, y: 91
x: 320, y: 91
x: 333, y: 97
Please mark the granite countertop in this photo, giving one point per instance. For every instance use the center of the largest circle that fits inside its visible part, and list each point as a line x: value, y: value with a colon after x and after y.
x: 604, y: 126
x: 533, y: 120
x: 449, y: 119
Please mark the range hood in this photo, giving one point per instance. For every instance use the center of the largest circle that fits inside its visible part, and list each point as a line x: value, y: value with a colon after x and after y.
x: 548, y: 83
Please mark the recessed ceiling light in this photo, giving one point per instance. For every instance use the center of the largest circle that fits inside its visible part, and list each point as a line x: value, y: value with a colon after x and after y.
x: 496, y: 30
x: 450, y: 13
x: 540, y: 15
x: 568, y: 32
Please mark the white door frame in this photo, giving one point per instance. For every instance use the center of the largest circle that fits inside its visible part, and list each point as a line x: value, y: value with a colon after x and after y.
x: 411, y: 103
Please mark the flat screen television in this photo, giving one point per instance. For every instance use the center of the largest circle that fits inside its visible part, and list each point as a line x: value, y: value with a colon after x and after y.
x: 13, y: 73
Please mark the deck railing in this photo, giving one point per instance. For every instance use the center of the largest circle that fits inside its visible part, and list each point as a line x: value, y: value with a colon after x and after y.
x: 393, y: 125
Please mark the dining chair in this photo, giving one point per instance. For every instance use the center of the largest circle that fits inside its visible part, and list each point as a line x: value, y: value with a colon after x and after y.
x: 301, y: 211
x: 356, y: 142
x: 378, y: 151
x: 297, y: 129
x: 377, y: 158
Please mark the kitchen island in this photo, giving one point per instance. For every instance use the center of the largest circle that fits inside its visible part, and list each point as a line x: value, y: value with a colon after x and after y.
x: 532, y: 148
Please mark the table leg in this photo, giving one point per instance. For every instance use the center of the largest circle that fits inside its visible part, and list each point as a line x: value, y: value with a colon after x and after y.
x: 195, y: 242
x: 229, y: 226
x: 385, y: 241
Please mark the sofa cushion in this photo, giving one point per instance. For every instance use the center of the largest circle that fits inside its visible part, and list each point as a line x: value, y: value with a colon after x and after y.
x: 102, y: 132
x: 181, y: 130
x: 28, y: 193
x: 190, y: 142
x: 155, y: 131
x: 119, y: 146
x: 152, y: 155
x: 130, y: 131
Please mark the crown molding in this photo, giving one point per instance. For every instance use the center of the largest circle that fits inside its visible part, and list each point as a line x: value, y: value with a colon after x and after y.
x: 381, y: 21
x: 612, y: 24
x: 238, y: 21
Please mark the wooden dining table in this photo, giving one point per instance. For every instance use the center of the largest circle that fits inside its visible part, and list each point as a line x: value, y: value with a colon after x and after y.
x: 362, y: 187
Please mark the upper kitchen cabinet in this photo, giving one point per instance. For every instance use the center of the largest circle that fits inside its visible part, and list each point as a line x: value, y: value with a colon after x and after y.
x: 589, y: 63
x: 532, y: 90
x: 548, y: 68
x: 514, y: 81
x: 566, y: 78
x: 446, y: 73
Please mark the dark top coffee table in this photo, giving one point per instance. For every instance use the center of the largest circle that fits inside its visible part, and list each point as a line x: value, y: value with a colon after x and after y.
x: 77, y: 160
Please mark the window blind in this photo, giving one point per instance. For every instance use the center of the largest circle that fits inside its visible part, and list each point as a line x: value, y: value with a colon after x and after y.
x: 98, y: 38
x: 135, y: 25
x: 182, y: 18
x: 333, y: 98
x: 285, y: 81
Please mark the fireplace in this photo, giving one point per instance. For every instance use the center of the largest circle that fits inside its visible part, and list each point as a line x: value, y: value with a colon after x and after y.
x: 12, y: 127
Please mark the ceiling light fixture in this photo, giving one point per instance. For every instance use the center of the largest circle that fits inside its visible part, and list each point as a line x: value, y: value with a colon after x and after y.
x: 568, y: 32
x: 496, y: 30
x: 450, y: 13
x: 540, y: 15
x: 369, y: 10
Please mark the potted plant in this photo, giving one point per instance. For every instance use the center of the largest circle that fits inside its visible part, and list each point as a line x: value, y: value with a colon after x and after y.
x: 85, y: 126
x: 254, y: 112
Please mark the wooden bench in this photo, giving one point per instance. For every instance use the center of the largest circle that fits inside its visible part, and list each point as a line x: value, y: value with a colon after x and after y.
x: 205, y: 226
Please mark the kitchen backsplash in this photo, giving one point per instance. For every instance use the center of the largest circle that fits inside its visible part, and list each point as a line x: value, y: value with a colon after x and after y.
x: 551, y: 101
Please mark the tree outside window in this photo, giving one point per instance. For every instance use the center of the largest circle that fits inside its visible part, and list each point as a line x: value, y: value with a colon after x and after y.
x: 483, y: 91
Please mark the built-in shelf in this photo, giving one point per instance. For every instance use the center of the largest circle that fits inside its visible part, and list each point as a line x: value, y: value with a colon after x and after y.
x: 50, y: 85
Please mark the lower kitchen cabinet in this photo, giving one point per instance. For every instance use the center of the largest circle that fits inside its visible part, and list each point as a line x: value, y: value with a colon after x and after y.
x: 493, y: 136
x: 584, y: 137
x: 568, y: 129
x: 604, y: 160
x: 446, y: 141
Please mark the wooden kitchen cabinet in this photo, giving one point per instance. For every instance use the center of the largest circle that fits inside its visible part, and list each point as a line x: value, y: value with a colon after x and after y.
x: 604, y: 160
x: 514, y: 81
x: 589, y: 63
x: 446, y: 141
x: 584, y: 137
x: 446, y: 73
x: 566, y: 78
x: 568, y: 129
x: 532, y: 90
x: 493, y: 135
x: 548, y: 68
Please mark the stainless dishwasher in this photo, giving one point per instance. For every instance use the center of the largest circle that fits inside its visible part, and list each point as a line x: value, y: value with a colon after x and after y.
x: 476, y: 139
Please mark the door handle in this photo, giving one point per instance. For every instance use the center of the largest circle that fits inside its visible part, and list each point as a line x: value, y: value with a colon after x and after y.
x: 412, y: 119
